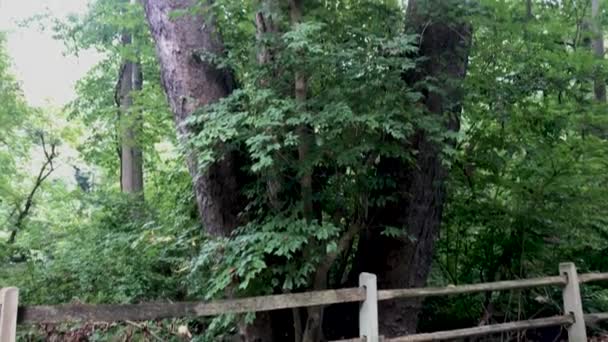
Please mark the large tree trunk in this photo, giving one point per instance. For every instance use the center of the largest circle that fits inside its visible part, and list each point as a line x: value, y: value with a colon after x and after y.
x: 190, y: 82
x: 406, y: 262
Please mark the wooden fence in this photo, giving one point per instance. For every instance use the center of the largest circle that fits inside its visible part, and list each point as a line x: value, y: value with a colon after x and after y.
x: 367, y: 294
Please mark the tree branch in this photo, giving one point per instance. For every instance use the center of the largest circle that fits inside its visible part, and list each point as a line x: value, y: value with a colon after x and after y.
x: 313, y: 330
x: 45, y: 171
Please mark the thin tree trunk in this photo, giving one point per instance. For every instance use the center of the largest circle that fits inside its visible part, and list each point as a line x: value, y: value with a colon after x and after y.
x: 313, y: 331
x: 266, y: 22
x: 594, y: 26
x: 599, y: 83
x: 190, y: 82
x: 406, y: 262
x: 131, y: 157
x: 306, y: 137
x: 304, y: 132
x: 47, y: 168
x: 313, y: 328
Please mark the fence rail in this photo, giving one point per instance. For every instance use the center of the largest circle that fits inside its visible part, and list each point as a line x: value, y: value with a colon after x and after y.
x: 486, y: 329
x: 474, y: 288
x: 366, y: 294
x: 160, y: 310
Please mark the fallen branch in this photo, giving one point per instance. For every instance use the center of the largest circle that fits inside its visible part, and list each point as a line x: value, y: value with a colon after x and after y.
x: 144, y: 329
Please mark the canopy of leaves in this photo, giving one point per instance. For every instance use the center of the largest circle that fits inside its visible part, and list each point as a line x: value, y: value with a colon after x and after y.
x: 528, y: 170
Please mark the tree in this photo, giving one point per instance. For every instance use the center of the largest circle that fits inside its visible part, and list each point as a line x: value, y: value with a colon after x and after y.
x: 359, y: 133
x: 405, y: 262
x: 423, y: 181
x: 130, y: 122
x: 130, y: 113
x: 23, y: 207
x: 526, y: 175
x: 304, y: 131
x: 16, y: 198
x: 190, y: 81
x: 598, y: 50
x: 13, y: 113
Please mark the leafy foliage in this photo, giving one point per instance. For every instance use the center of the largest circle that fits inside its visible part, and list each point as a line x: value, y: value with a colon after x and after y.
x: 530, y: 177
x: 527, y: 171
x: 13, y: 144
x: 350, y: 62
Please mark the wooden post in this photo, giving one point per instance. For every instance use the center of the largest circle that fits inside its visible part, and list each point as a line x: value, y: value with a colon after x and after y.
x: 368, y: 312
x: 9, y: 298
x: 573, y: 304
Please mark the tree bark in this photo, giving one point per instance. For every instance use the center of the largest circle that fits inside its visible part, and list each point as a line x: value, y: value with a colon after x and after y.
x: 304, y: 131
x: 267, y: 21
x: 314, y: 320
x: 131, y: 157
x: 406, y: 262
x: 190, y: 82
x: 599, y: 83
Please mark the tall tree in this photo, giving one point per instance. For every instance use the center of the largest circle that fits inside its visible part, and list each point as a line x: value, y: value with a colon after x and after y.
x: 599, y: 85
x: 304, y: 131
x: 130, y: 80
x: 130, y: 114
x: 192, y: 82
x: 183, y: 41
x: 406, y: 262
x: 267, y: 21
x: 348, y: 90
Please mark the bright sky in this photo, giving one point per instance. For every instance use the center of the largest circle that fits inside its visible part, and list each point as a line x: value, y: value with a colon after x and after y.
x: 47, y: 75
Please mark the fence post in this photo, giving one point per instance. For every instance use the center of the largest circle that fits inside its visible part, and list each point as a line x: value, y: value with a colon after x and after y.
x: 368, y: 312
x: 9, y: 298
x: 572, y: 303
